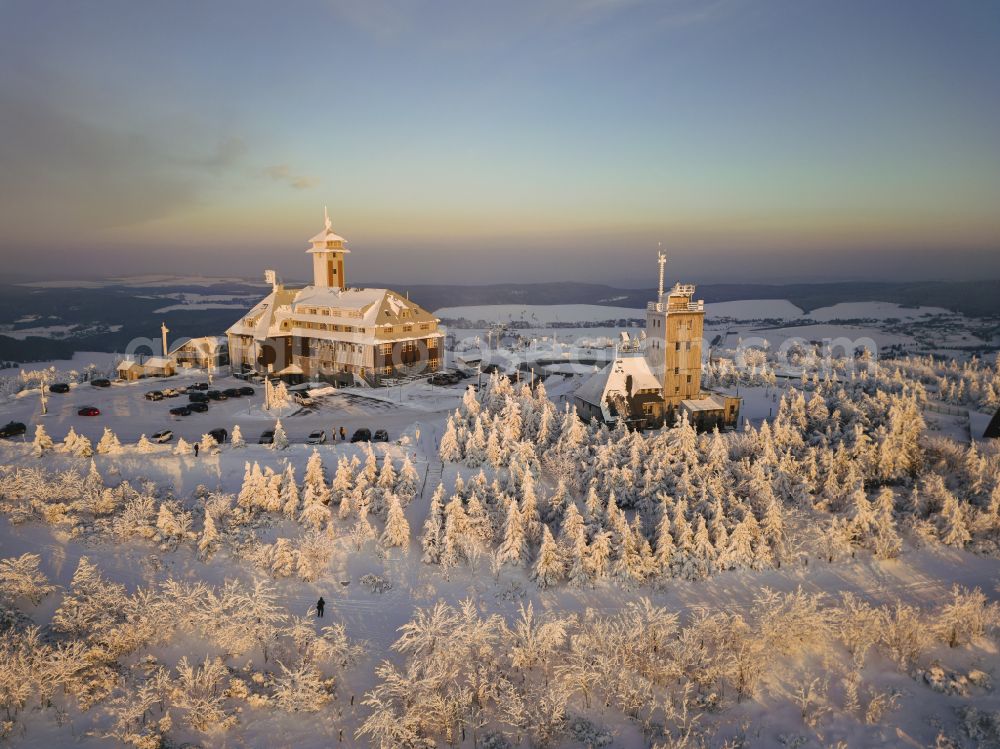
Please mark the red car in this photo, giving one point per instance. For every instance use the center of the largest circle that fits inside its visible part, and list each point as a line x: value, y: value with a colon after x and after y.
x: 89, y: 411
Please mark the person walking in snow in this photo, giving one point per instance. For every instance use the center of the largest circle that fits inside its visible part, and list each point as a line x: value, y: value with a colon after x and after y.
x: 196, y: 446
x: 343, y: 434
x: 320, y: 605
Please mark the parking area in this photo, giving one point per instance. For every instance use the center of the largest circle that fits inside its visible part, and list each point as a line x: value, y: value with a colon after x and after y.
x: 124, y: 408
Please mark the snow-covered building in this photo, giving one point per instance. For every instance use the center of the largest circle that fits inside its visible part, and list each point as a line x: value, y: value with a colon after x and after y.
x: 329, y: 331
x: 153, y: 366
x: 665, y: 380
x: 625, y: 388
x: 207, y: 352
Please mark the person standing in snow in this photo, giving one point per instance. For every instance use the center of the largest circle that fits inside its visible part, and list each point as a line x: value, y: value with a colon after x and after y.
x: 343, y: 434
x: 320, y: 605
x: 196, y: 446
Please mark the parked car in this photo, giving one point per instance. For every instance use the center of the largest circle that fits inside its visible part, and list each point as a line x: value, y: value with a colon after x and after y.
x: 316, y: 438
x: 198, y: 407
x: 154, y: 395
x: 165, y: 436
x: 181, y: 411
x: 266, y: 438
x: 171, y: 393
x: 380, y: 436
x: 231, y: 392
x: 89, y: 411
x: 219, y: 435
x: 198, y: 386
x: 58, y: 387
x: 246, y: 390
x: 101, y: 382
x: 198, y: 397
x: 362, y: 435
x: 216, y: 395
x: 12, y: 429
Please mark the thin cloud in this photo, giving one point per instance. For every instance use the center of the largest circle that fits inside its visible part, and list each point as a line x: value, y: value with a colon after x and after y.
x: 284, y: 174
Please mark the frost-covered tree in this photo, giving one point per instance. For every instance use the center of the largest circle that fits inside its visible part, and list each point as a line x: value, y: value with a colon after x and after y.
x: 408, y: 480
x: 209, y: 540
x: 42, y: 442
x: 449, y: 450
x: 208, y: 445
x: 183, y: 447
x: 236, y: 440
x: 953, y: 529
x: 432, y: 539
x: 314, y: 512
x: 549, y: 567
x: 144, y: 445
x: 280, y: 438
x: 109, y: 444
x: 289, y: 492
x: 20, y: 578
x: 301, y: 689
x: 387, y: 475
x: 514, y: 547
x: 397, y: 530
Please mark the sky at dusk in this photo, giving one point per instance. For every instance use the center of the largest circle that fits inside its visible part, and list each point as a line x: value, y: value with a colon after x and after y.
x: 479, y: 142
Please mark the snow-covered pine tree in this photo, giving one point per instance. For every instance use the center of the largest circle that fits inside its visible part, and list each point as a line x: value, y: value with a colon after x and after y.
x: 432, y: 539
x: 407, y: 481
x: 888, y: 544
x: 397, y: 530
x: 109, y: 444
x: 599, y: 555
x: 42, y: 442
x: 280, y: 438
x: 449, y: 450
x: 289, y: 493
x: 952, y: 527
x: 209, y: 537
x: 387, y: 476
x: 144, y: 445
x: 549, y: 567
x: 183, y: 447
x: 514, y: 548
x: 236, y: 440
x: 314, y: 513
x: 208, y: 445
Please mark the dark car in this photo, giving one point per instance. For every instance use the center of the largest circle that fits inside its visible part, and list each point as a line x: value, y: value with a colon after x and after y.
x: 154, y: 395
x: 180, y: 411
x: 198, y: 397
x: 380, y: 436
x: 198, y: 386
x: 58, y: 387
x: 12, y: 429
x: 101, y: 382
x: 198, y: 407
x: 89, y: 411
x: 266, y: 438
x: 165, y: 436
x: 246, y: 390
x: 362, y: 435
x: 216, y: 395
x: 231, y: 392
x: 219, y: 435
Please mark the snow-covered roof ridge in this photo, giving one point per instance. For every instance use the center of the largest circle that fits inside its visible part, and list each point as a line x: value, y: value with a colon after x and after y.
x: 614, y: 379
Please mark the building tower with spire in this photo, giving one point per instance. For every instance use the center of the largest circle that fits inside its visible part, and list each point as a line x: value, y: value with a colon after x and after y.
x: 331, y: 332
x: 328, y: 252
x: 674, y: 328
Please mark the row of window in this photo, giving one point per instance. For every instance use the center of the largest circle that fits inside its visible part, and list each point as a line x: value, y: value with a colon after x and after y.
x: 408, y: 327
x: 330, y: 312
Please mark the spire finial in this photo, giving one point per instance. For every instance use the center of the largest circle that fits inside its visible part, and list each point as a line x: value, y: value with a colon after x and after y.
x: 326, y: 219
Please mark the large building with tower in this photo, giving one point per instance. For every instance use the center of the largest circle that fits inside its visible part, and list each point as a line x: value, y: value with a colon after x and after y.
x: 658, y: 377
x: 332, y: 332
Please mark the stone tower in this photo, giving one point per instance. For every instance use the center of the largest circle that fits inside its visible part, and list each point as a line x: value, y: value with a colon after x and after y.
x: 328, y: 252
x: 674, y: 325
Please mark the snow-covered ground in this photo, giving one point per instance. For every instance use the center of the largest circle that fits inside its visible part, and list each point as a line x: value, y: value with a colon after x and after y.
x: 806, y: 686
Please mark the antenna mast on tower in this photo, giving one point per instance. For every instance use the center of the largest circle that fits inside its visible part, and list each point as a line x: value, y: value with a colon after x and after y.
x: 662, y: 260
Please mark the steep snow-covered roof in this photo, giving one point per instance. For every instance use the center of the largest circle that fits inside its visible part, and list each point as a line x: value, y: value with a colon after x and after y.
x: 614, y: 379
